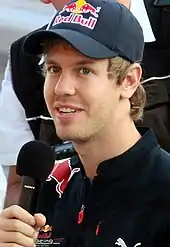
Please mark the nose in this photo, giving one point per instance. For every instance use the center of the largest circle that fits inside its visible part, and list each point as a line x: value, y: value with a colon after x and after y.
x: 65, y: 85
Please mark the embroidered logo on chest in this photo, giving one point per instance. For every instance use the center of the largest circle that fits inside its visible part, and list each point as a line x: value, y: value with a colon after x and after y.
x: 121, y: 243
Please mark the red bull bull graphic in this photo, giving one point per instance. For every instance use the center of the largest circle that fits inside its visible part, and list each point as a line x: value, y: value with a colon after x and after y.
x: 45, y: 237
x: 77, y: 10
x: 62, y: 173
x: 69, y: 8
x: 81, y: 7
x: 46, y: 228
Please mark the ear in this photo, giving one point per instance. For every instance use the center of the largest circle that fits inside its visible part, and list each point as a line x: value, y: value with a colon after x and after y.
x: 131, y: 81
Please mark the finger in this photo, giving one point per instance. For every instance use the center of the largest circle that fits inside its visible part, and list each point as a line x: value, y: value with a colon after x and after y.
x: 19, y: 213
x: 15, y: 225
x: 17, y: 238
x: 40, y: 220
x: 10, y: 245
x: 36, y: 236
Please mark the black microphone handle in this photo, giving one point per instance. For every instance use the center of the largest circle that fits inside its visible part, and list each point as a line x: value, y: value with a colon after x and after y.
x: 29, y: 194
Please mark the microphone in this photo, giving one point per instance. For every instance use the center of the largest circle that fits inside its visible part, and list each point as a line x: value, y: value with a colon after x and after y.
x: 35, y: 161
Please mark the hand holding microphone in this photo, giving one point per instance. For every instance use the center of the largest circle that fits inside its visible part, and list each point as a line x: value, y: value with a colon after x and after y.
x: 18, y: 226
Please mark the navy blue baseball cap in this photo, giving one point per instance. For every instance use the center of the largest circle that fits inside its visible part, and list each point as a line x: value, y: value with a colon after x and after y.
x: 96, y: 28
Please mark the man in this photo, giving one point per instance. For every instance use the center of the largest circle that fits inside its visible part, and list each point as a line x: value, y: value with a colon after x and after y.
x: 29, y: 118
x: 117, y: 193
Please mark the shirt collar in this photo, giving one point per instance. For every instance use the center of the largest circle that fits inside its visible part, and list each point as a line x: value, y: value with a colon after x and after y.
x: 118, y: 166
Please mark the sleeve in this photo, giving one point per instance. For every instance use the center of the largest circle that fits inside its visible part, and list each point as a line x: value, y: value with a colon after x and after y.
x: 14, y: 129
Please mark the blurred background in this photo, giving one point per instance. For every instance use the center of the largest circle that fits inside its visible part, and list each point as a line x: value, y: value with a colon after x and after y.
x: 18, y: 17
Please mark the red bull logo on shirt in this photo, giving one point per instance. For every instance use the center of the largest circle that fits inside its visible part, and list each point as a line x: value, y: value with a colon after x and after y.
x: 62, y: 173
x: 76, y: 10
x: 45, y: 238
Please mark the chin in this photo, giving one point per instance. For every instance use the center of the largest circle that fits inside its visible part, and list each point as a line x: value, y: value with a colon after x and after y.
x: 74, y: 137
x: 71, y: 133
x: 65, y: 136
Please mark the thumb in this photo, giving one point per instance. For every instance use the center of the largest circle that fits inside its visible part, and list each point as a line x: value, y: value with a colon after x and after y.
x: 40, y: 220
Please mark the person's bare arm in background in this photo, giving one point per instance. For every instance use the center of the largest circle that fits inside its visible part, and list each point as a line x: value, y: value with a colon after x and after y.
x: 125, y: 2
x: 14, y: 132
x: 13, y: 187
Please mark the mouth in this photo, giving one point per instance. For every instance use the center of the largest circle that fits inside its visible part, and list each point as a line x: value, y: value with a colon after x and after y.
x: 67, y: 113
x: 63, y: 110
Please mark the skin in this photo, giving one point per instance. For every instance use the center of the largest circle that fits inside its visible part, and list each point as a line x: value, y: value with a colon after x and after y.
x: 18, y: 227
x: 58, y: 4
x: 125, y: 2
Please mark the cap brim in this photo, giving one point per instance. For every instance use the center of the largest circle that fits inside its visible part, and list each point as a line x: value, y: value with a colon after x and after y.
x: 86, y: 45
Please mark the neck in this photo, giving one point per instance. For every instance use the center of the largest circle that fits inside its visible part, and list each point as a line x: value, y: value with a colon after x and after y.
x: 94, y: 151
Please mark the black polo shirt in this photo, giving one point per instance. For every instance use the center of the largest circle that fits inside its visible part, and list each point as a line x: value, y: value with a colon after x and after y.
x: 127, y: 204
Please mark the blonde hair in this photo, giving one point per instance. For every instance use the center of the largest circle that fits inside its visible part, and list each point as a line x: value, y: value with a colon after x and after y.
x: 118, y: 69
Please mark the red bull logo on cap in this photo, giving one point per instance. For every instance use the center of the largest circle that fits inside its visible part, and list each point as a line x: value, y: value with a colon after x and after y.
x: 76, y: 10
x: 62, y: 173
x: 81, y: 7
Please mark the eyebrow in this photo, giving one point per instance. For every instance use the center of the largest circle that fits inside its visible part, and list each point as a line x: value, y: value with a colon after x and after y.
x: 82, y: 62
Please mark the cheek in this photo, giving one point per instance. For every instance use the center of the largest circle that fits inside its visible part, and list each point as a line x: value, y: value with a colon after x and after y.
x: 48, y: 92
x: 97, y: 99
x: 109, y: 100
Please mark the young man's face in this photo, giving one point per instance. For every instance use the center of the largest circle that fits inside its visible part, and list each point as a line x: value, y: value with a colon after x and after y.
x: 83, y: 102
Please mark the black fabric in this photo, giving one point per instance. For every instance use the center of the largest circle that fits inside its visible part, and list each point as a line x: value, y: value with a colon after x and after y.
x: 156, y: 64
x: 157, y: 111
x: 157, y: 54
x: 127, y: 202
x: 160, y: 20
x: 28, y: 81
